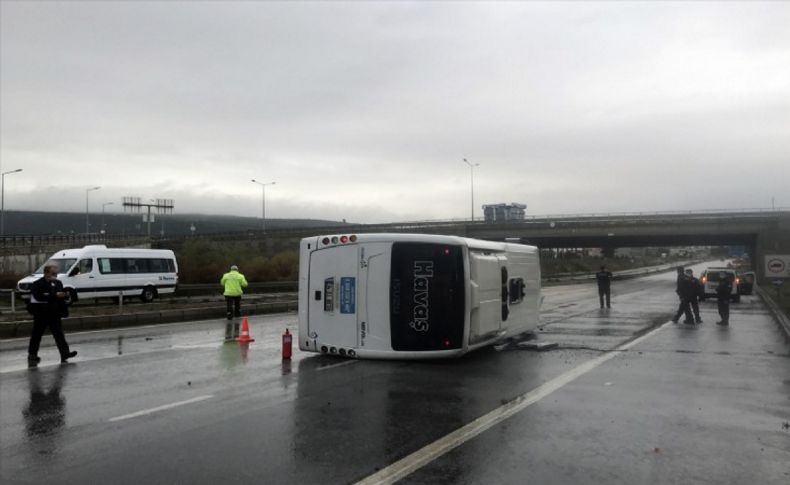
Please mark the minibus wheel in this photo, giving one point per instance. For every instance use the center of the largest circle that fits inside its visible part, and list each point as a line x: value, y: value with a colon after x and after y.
x: 148, y: 295
x: 71, y: 297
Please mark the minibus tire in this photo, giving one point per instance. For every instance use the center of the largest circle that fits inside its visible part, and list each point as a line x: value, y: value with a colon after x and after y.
x: 148, y: 294
x: 71, y: 297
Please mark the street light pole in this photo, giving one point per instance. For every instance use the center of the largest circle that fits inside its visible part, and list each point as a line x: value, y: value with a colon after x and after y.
x: 2, y: 199
x: 472, y: 172
x: 263, y: 202
x: 87, y: 217
x: 102, y: 214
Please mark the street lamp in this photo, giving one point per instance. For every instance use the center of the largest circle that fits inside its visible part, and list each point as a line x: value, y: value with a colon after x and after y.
x: 472, y: 172
x: 2, y: 198
x: 263, y: 202
x: 87, y: 217
x: 102, y: 215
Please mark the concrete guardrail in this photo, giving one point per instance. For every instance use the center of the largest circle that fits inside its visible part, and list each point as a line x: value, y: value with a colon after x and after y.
x: 101, y: 322
x: 779, y: 316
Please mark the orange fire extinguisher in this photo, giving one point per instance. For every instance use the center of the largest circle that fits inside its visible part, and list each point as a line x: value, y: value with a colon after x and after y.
x: 287, y: 344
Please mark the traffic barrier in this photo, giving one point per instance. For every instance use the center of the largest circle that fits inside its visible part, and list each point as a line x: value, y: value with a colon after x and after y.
x: 287, y: 345
x: 245, y: 332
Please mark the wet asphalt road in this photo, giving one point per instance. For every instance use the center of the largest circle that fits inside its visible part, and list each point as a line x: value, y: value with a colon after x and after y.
x: 173, y: 404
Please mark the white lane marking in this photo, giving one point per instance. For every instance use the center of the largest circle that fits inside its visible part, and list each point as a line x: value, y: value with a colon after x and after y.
x: 160, y: 408
x: 337, y: 365
x: 407, y: 465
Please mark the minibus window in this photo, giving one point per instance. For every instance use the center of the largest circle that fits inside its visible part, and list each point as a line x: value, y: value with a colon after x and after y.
x: 157, y: 265
x: 85, y: 266
x: 137, y: 265
x: 111, y: 265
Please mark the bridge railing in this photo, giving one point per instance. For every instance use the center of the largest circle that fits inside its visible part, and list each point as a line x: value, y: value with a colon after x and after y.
x: 64, y: 240
x: 77, y: 240
x: 547, y: 220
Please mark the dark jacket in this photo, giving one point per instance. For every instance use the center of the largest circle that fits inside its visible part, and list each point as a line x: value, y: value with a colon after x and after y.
x: 679, y: 283
x: 724, y: 290
x: 44, y: 301
x: 690, y: 288
x: 699, y: 288
x: 604, y: 279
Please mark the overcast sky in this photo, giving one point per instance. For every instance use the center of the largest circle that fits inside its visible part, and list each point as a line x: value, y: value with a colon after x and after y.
x: 365, y: 110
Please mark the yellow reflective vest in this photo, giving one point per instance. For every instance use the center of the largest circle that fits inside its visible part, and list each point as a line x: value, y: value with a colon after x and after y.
x: 233, y: 281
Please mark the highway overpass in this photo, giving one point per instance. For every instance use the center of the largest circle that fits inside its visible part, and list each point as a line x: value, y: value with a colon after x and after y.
x: 760, y: 231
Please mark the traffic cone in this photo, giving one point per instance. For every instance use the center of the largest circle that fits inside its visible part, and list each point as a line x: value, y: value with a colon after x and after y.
x: 245, y: 332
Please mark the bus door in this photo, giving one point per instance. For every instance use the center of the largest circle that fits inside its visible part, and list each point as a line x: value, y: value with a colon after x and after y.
x: 332, y: 311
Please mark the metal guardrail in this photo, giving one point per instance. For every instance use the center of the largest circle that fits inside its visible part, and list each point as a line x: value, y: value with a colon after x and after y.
x: 779, y: 315
x: 267, y: 285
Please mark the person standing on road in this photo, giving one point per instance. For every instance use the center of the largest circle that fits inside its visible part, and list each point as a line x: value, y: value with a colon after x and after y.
x: 604, y: 279
x: 233, y: 282
x: 48, y: 306
x: 683, y: 289
x: 723, y: 294
x: 695, y: 291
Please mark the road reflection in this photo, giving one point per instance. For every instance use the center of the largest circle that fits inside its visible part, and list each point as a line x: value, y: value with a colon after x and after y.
x: 45, y: 413
x: 359, y: 417
x: 233, y: 354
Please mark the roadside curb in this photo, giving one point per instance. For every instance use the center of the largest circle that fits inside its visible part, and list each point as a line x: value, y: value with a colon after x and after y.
x: 100, y: 322
x: 781, y: 319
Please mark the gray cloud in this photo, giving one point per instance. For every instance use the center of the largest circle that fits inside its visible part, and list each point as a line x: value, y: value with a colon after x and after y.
x: 364, y: 111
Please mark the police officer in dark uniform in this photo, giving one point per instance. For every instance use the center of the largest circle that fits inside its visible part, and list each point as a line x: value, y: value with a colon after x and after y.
x: 48, y: 306
x: 604, y: 279
x: 694, y: 291
x: 723, y: 294
x: 682, y: 289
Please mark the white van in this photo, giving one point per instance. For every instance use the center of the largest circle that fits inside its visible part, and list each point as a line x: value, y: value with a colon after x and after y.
x: 99, y: 272
x: 710, y: 281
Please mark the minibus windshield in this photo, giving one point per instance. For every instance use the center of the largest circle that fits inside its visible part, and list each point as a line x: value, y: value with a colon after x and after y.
x: 63, y: 265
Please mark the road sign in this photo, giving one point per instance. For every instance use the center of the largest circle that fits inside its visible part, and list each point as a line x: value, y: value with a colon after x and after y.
x: 777, y: 266
x: 777, y: 283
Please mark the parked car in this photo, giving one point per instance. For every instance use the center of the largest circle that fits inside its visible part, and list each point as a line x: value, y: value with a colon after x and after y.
x: 710, y: 281
x: 746, y: 285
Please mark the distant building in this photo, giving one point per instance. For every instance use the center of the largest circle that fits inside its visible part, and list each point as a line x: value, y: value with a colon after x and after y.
x: 504, y: 212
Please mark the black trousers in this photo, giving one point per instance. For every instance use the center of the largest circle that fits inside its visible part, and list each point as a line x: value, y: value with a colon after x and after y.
x: 695, y: 309
x: 234, y: 306
x: 684, y: 308
x: 607, y: 292
x: 724, y: 310
x: 40, y: 323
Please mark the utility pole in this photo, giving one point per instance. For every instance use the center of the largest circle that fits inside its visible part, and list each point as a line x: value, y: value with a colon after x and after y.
x: 472, y: 172
x: 2, y: 199
x: 102, y: 216
x: 87, y: 212
x: 263, y: 202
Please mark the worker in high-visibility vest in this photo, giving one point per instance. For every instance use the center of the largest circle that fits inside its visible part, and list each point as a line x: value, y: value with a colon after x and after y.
x: 233, y: 282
